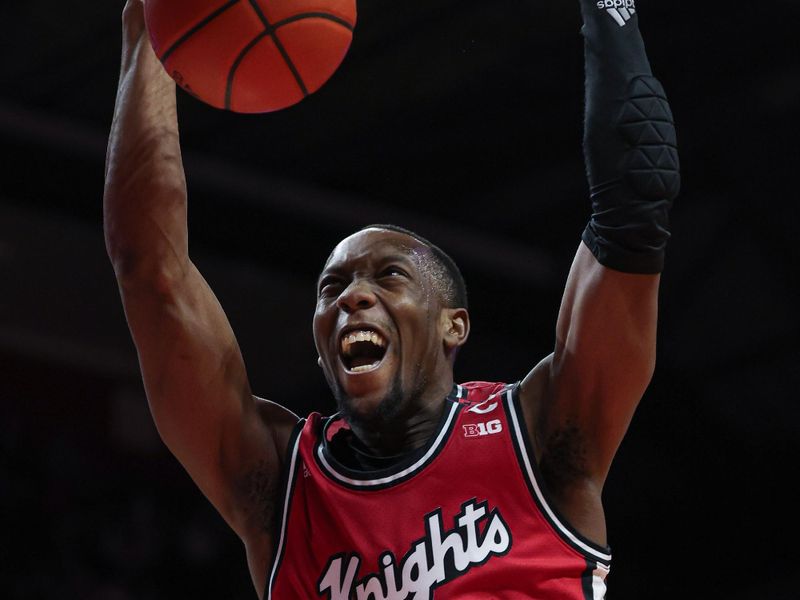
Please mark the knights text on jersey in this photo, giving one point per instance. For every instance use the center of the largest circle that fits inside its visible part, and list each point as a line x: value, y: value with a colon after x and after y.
x: 463, y: 518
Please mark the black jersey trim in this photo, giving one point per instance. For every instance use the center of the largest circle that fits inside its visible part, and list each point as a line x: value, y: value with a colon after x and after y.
x: 586, y: 581
x: 593, y: 581
x: 533, y: 479
x: 289, y: 476
x: 396, y: 474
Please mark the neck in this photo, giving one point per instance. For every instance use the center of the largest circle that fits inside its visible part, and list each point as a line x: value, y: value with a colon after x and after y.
x: 409, y: 429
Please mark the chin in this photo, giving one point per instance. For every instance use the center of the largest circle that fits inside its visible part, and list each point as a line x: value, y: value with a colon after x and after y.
x: 379, y: 406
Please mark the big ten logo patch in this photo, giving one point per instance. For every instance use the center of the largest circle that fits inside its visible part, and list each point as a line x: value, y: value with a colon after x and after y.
x: 472, y: 430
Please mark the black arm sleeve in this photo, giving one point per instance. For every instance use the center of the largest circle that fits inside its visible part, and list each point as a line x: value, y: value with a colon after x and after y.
x: 630, y: 145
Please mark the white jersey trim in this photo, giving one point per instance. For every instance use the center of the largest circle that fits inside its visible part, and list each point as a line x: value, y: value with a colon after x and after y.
x: 400, y: 474
x: 599, y: 582
x: 284, y: 518
x: 563, y: 529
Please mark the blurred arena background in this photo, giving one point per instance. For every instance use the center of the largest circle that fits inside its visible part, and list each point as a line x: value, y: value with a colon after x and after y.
x: 461, y: 120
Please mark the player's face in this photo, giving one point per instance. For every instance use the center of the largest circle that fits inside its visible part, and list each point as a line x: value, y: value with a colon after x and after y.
x: 378, y: 325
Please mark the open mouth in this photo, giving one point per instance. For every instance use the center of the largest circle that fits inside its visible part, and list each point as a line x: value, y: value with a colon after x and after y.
x: 362, y: 350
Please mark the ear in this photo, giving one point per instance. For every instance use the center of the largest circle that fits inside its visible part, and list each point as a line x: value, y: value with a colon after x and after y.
x: 455, y: 328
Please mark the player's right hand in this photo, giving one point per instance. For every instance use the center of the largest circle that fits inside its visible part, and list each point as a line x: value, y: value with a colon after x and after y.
x: 137, y: 51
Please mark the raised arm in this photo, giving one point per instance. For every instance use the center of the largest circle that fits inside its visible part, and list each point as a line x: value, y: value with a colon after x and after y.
x: 231, y: 443
x: 580, y: 400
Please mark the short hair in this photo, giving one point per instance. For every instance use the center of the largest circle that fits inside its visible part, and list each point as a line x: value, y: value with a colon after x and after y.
x: 447, y: 276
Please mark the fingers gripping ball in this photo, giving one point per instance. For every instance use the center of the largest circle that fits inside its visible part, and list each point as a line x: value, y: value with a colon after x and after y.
x: 250, y: 56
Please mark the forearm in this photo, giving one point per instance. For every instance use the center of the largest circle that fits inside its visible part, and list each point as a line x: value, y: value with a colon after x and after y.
x: 605, y: 346
x: 629, y: 143
x: 144, y: 202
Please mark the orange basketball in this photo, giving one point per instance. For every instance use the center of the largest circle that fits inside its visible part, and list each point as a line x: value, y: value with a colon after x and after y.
x: 250, y: 56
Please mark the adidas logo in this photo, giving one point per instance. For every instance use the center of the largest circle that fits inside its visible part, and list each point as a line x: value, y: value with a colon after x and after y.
x: 620, y: 10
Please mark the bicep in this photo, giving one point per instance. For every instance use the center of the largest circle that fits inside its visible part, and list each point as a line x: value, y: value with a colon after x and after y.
x: 198, y: 391
x: 602, y: 363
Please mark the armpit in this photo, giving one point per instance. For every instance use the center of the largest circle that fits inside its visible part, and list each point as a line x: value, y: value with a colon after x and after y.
x: 261, y: 492
x: 563, y: 458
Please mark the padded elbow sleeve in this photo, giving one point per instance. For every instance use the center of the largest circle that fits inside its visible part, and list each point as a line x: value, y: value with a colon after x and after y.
x: 629, y: 143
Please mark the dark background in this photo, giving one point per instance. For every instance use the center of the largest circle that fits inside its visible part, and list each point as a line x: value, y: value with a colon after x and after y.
x: 461, y: 120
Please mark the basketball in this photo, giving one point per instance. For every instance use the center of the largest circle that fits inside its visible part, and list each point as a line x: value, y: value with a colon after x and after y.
x: 250, y: 56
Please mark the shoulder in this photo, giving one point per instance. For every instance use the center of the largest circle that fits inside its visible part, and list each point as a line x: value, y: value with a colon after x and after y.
x: 313, y: 430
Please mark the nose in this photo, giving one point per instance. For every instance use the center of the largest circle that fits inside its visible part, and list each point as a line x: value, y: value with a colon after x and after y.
x: 357, y: 296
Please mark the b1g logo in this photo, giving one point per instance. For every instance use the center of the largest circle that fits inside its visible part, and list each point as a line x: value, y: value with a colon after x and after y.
x: 482, y: 429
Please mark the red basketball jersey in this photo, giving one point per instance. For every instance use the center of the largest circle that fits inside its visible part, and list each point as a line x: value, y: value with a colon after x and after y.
x: 465, y: 517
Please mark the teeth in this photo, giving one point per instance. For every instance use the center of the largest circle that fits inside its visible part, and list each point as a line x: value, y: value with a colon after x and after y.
x: 361, y: 336
x: 363, y: 368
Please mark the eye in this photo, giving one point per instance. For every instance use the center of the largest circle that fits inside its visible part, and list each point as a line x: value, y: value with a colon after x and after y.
x: 330, y: 285
x: 393, y: 271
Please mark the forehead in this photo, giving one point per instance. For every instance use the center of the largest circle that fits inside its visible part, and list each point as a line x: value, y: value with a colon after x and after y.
x: 374, y: 245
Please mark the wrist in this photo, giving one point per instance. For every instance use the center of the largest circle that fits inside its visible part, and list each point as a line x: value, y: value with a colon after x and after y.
x: 620, y: 12
x: 139, y: 62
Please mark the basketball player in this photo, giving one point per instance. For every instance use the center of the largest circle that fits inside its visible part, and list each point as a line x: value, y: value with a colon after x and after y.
x: 419, y: 486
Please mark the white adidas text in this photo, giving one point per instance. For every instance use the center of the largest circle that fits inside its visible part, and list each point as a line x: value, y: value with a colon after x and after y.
x: 616, y: 4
